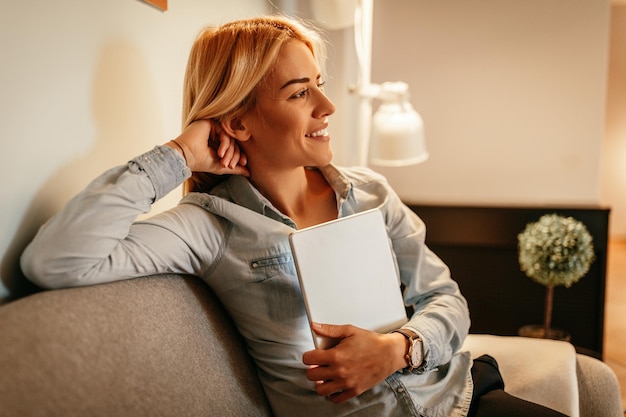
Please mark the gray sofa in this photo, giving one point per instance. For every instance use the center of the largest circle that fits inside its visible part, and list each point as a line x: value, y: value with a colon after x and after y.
x: 155, y: 346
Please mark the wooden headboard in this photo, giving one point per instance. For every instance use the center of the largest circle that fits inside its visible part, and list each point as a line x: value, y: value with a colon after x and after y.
x: 479, y: 244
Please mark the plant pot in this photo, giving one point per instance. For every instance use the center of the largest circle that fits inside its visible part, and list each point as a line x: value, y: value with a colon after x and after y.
x: 538, y: 331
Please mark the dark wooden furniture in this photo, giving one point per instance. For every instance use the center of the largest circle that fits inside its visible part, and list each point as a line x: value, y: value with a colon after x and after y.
x: 479, y: 244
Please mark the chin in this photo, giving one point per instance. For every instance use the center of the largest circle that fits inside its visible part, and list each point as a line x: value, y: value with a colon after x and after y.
x: 320, y: 158
x: 326, y: 160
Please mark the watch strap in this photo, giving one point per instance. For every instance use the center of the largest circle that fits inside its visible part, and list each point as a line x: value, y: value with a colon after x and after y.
x: 413, y: 338
x: 409, y: 334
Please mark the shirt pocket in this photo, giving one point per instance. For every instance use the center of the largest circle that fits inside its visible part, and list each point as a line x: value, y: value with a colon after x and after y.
x: 276, y: 287
x: 271, y: 266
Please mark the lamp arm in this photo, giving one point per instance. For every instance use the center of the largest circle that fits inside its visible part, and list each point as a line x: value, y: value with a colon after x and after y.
x: 363, y: 22
x: 399, y: 128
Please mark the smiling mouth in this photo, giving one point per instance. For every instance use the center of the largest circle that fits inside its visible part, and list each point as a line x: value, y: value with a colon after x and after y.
x: 322, y: 132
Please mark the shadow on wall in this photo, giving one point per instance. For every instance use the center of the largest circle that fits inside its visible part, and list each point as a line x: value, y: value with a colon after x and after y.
x: 126, y: 116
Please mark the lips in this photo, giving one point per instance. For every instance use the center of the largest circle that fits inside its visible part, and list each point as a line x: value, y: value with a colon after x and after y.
x: 321, y: 132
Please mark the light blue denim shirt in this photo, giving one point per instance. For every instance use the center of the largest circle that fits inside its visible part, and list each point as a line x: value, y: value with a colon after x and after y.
x: 237, y: 242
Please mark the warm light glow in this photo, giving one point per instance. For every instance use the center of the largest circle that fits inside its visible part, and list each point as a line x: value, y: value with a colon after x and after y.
x: 397, y: 129
x: 395, y: 135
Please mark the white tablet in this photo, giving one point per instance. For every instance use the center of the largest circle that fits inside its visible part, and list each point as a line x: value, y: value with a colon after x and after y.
x: 348, y: 274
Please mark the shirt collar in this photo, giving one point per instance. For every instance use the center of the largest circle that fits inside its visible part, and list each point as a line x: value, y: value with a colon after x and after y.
x: 241, y: 191
x: 338, y: 181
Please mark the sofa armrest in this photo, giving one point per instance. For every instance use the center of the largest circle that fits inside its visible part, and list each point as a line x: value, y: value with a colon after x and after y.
x: 537, y: 370
x: 599, y: 388
x: 551, y: 373
x: 149, y: 346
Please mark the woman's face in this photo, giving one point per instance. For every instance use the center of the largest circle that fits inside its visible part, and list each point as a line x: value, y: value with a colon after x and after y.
x: 287, y: 127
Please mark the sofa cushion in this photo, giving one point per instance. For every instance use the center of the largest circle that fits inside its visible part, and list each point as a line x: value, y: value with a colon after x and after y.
x: 157, y: 346
x: 537, y: 370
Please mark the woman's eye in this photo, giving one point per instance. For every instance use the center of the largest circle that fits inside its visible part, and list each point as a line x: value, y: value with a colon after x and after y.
x: 305, y: 91
x: 301, y: 93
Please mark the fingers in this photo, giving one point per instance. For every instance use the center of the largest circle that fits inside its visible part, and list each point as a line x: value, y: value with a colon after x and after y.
x: 229, y: 152
x: 239, y: 170
x: 341, y: 396
x: 225, y: 144
x: 335, y: 390
x: 327, y: 356
x: 220, y: 168
x: 326, y: 367
x: 332, y: 330
x: 243, y: 159
x: 358, y: 362
x: 208, y: 148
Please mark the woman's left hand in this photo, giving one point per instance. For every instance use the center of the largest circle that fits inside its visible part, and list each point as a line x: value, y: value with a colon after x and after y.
x: 207, y: 148
x: 361, y: 360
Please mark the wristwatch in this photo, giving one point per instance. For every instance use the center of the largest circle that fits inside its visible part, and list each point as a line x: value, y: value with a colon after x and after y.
x: 415, y: 354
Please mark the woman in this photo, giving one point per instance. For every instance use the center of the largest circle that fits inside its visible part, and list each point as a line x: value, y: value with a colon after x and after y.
x: 256, y: 153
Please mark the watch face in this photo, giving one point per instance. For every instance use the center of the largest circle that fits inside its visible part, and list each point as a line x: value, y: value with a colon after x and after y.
x: 416, y: 354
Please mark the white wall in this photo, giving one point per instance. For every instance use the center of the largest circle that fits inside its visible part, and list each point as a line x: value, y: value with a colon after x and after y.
x: 512, y: 94
x: 85, y: 85
x: 614, y: 155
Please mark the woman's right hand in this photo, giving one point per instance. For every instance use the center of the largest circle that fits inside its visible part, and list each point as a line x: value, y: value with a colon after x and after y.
x: 194, y: 144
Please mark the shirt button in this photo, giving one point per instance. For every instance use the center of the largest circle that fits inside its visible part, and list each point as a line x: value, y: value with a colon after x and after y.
x: 400, y: 390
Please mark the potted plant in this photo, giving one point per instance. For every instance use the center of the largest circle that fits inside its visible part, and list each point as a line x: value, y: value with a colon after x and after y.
x: 554, y: 251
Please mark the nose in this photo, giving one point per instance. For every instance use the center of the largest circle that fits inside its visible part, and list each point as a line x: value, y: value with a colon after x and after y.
x: 325, y: 107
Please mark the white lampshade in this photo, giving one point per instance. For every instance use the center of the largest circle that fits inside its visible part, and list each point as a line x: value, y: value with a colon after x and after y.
x: 397, y: 135
x: 334, y: 14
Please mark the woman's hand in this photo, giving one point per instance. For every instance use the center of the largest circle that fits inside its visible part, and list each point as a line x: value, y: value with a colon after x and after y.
x: 194, y: 143
x: 361, y: 360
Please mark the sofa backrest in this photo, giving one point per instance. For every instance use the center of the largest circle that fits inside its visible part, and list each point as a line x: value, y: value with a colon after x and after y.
x: 144, y: 347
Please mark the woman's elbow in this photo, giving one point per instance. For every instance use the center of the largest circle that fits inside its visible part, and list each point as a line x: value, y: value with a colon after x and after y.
x: 41, y: 271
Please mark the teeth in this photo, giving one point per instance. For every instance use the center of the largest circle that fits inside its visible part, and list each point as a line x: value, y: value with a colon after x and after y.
x: 322, y: 132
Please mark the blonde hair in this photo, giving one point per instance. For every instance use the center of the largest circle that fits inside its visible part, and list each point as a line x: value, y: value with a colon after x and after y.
x: 225, y: 65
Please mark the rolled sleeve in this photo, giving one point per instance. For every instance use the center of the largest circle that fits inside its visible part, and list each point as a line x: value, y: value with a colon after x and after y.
x: 165, y: 167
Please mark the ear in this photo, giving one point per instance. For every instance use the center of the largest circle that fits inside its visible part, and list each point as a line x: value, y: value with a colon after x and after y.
x: 235, y: 128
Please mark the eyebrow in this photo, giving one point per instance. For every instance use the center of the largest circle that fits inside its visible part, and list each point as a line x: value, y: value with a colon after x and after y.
x: 296, y: 81
x: 299, y: 81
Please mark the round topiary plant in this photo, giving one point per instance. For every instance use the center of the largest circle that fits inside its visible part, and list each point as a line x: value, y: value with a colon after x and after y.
x: 555, y: 251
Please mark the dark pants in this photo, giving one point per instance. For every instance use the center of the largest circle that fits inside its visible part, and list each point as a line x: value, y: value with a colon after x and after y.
x: 490, y: 400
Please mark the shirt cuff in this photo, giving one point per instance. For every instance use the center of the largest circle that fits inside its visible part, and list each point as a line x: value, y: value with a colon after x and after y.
x: 165, y: 167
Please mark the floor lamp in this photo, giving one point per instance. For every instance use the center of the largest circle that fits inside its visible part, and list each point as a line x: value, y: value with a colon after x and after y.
x: 394, y: 135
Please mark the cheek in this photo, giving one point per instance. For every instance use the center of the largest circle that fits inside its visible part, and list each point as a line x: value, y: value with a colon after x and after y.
x: 278, y: 123
x: 285, y: 127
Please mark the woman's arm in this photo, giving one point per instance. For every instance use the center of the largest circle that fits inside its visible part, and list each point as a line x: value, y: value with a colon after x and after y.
x: 441, y: 314
x: 363, y: 359
x: 91, y: 240
x: 94, y: 239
